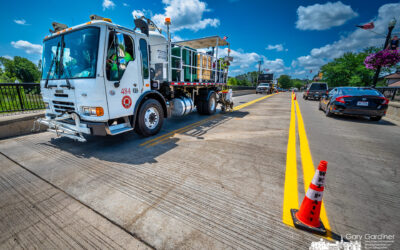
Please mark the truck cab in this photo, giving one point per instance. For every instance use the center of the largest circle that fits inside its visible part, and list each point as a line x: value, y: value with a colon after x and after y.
x: 83, y: 85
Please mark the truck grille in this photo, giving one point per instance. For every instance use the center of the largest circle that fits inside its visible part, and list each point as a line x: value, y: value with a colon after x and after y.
x: 63, y: 107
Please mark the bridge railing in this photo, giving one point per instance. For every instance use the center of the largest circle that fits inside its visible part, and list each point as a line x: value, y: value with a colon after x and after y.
x: 16, y: 97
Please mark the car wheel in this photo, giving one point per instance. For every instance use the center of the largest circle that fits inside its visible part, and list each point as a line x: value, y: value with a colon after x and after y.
x: 328, y: 110
x: 376, y: 118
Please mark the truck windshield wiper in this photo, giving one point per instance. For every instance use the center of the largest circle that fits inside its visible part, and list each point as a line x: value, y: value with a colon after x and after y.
x: 51, y: 66
x: 62, y: 64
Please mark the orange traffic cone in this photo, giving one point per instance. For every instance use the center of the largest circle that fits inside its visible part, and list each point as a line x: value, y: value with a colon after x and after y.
x: 307, y: 217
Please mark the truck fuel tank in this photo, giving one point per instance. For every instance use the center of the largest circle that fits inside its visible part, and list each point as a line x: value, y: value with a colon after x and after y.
x: 181, y: 106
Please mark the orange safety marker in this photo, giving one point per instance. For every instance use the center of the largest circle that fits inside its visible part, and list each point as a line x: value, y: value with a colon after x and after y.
x: 307, y: 217
x: 295, y: 97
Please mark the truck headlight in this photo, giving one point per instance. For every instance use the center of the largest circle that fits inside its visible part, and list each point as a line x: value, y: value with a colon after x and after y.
x: 93, y: 111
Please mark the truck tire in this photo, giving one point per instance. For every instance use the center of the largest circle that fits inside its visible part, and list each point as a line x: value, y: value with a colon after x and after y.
x: 150, y: 118
x: 207, y: 106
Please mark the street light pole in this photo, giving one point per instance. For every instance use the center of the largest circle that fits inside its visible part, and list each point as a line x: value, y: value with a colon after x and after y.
x: 259, y: 71
x: 391, y: 25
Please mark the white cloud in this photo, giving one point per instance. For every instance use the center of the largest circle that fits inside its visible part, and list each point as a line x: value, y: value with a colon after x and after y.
x: 323, y: 16
x: 308, y: 62
x: 138, y: 13
x: 354, y: 41
x: 7, y: 57
x: 20, y: 21
x: 248, y: 61
x: 277, y: 47
x: 176, y: 38
x: 125, y: 4
x: 299, y: 72
x: 108, y: 4
x: 185, y: 14
x: 28, y: 47
x: 274, y: 66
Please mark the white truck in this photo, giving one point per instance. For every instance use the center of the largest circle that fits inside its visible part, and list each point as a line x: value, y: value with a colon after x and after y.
x: 103, y: 79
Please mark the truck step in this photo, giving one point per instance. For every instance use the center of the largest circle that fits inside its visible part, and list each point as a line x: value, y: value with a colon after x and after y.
x: 120, y: 128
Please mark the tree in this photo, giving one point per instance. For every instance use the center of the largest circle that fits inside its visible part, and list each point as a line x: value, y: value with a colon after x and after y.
x: 297, y: 83
x: 19, y: 68
x: 285, y: 82
x: 232, y: 81
x: 348, y: 69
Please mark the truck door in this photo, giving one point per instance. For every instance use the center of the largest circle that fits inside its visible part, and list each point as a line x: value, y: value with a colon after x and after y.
x: 144, y: 63
x: 123, y: 73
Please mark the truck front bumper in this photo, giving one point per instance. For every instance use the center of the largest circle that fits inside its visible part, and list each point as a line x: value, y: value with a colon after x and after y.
x: 68, y: 125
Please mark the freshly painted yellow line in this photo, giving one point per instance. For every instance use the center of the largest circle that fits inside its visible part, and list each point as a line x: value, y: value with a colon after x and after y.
x: 176, y: 131
x: 291, y: 199
x: 181, y: 130
x: 251, y: 102
x: 168, y: 135
x: 308, y: 165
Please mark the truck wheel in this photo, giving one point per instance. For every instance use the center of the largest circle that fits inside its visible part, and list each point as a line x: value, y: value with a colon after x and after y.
x: 150, y: 118
x: 207, y: 107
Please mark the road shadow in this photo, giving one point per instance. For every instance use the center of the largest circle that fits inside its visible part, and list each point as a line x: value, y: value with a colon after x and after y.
x: 128, y: 147
x: 361, y: 119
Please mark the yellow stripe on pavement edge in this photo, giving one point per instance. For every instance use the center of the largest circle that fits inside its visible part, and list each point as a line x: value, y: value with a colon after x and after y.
x: 159, y: 139
x: 308, y: 166
x: 291, y: 199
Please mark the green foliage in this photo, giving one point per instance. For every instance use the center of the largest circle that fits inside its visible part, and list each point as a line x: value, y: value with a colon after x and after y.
x: 348, y: 69
x: 297, y: 83
x: 285, y: 82
x: 233, y: 81
x: 18, y: 68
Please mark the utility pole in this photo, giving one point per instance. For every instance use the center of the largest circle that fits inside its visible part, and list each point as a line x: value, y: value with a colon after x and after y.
x: 391, y: 25
x: 259, y: 70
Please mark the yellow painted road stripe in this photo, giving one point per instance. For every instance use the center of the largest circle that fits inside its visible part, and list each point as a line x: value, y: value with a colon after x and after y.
x: 168, y: 135
x: 308, y: 165
x: 176, y: 131
x: 291, y: 199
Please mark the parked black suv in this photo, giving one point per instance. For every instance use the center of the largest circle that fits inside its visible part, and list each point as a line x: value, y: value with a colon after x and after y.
x: 316, y: 90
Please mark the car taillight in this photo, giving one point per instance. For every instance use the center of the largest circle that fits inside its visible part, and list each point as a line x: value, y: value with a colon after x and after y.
x: 327, y: 92
x: 340, y: 98
x: 308, y: 92
x: 385, y: 101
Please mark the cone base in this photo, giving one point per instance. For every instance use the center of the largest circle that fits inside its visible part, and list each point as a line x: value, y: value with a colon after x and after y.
x: 300, y: 225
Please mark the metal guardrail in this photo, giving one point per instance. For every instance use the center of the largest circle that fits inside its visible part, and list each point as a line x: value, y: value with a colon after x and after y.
x: 392, y: 93
x: 20, y: 97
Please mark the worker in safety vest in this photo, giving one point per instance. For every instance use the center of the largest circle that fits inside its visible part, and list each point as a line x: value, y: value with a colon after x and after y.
x: 222, y: 66
x: 117, y: 57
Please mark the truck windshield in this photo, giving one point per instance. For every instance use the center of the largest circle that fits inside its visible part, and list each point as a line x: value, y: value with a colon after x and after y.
x: 77, y: 56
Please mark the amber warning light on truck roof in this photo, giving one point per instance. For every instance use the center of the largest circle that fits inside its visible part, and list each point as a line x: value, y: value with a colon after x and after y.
x: 167, y: 20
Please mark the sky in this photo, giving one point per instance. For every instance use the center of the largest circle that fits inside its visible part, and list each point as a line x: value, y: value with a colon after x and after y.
x: 290, y: 36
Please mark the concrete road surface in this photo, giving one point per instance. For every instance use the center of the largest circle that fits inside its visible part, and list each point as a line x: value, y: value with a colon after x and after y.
x: 204, y: 182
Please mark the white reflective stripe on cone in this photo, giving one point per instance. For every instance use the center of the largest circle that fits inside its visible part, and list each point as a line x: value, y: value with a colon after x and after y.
x: 318, y: 179
x: 314, y: 195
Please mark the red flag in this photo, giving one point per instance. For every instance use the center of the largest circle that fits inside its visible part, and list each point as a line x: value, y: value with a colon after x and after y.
x: 367, y: 26
x: 225, y: 37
